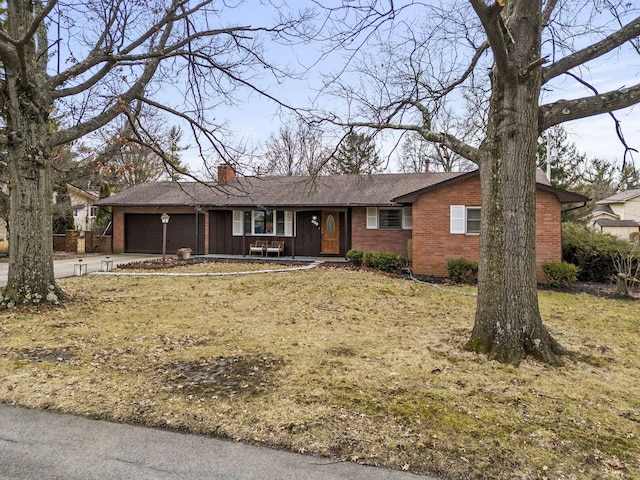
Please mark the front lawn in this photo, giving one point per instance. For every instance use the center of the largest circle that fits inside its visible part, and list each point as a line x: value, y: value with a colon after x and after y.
x: 347, y: 364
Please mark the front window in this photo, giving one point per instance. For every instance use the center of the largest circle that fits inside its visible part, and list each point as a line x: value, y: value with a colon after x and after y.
x: 473, y: 220
x: 262, y: 222
x: 390, y: 218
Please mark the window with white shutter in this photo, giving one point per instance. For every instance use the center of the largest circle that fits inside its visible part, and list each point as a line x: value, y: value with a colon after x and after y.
x: 238, y: 223
x: 457, y: 219
x: 407, y: 218
x: 372, y: 218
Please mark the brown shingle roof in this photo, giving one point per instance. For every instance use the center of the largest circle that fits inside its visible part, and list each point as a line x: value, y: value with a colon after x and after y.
x: 300, y: 192
x: 336, y: 190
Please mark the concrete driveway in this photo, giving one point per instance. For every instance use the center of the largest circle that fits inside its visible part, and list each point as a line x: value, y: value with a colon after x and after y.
x: 65, y: 267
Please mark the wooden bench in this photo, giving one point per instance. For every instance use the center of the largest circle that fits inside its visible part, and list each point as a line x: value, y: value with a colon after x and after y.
x: 277, y: 246
x: 259, y: 246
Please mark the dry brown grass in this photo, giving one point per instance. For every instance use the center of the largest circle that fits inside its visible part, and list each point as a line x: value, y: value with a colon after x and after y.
x: 335, y: 362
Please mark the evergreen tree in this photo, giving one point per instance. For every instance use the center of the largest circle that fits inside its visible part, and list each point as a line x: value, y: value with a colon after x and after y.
x: 103, y: 215
x: 567, y: 164
x: 629, y: 178
x: 357, y: 155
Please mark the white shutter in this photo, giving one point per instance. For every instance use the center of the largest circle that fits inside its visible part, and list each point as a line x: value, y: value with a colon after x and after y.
x: 457, y: 218
x: 238, y: 223
x: 288, y: 223
x: 372, y: 218
x: 407, y: 218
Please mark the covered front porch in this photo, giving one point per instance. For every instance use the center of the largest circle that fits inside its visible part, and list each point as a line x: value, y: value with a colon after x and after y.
x: 307, y: 233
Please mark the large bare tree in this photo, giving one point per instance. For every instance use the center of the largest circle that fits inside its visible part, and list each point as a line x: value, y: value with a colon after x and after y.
x: 297, y: 149
x: 68, y: 69
x: 507, y: 55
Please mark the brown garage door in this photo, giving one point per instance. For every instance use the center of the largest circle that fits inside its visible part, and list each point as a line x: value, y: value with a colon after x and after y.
x: 143, y: 233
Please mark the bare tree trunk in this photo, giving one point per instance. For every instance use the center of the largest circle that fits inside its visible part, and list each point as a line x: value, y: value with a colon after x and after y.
x: 26, y: 112
x: 508, y: 324
x: 31, y: 278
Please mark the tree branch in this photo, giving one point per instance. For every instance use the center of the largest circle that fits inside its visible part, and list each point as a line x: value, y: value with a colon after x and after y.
x: 565, y: 110
x: 461, y: 148
x: 35, y: 25
x: 626, y: 33
x: 489, y: 16
x: 548, y: 10
x: 8, y: 54
x: 120, y: 105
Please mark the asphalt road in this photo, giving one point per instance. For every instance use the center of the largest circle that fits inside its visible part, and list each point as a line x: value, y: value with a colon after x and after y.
x: 66, y: 267
x: 40, y: 445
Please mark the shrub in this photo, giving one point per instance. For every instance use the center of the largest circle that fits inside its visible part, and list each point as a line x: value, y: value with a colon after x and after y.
x: 367, y: 259
x: 627, y: 265
x: 387, y: 262
x: 462, y: 270
x: 593, y: 252
x: 355, y: 256
x: 560, y: 274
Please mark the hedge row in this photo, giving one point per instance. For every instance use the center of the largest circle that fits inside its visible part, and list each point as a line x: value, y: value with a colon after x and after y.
x: 557, y: 274
x: 386, y: 262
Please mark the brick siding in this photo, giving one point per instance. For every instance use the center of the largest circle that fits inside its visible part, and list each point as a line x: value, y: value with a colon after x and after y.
x: 434, y: 245
x: 377, y: 240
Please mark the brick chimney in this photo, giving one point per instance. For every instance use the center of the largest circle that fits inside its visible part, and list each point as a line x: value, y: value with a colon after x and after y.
x: 226, y: 174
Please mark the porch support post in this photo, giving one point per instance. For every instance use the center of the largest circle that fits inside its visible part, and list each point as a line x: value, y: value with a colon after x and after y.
x: 207, y: 213
x: 347, y: 233
x: 293, y: 234
x: 197, y: 242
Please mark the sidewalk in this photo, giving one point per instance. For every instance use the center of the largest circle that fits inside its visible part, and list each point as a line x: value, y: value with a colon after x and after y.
x: 65, y: 267
x: 44, y: 445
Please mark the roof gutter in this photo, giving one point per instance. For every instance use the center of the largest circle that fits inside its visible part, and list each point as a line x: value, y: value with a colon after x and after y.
x: 584, y: 204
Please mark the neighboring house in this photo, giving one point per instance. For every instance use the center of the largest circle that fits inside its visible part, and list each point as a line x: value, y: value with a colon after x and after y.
x: 431, y: 217
x: 618, y: 215
x: 84, y: 208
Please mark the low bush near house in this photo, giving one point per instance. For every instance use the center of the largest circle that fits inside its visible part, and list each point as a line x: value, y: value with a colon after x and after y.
x: 560, y: 274
x: 462, y: 270
x: 355, y: 256
x: 387, y: 262
x: 593, y: 252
